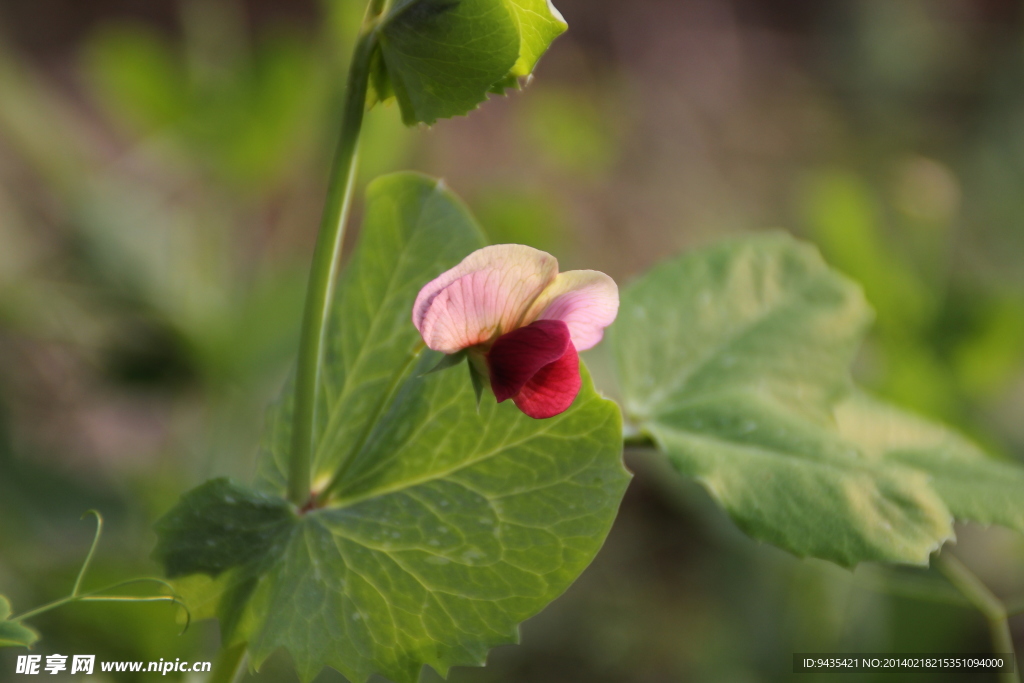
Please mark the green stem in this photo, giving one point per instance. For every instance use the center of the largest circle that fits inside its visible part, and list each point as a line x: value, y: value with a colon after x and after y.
x: 94, y: 598
x: 92, y: 551
x: 326, y: 259
x: 129, y: 598
x: 986, y: 602
x: 910, y: 583
x: 228, y: 665
x: 45, y: 608
x: 638, y: 440
x: 97, y: 596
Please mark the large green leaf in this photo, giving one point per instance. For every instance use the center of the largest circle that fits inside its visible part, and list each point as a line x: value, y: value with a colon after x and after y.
x: 732, y: 358
x: 13, y: 633
x: 441, y: 58
x: 414, y: 230
x: 450, y: 524
x: 976, y: 487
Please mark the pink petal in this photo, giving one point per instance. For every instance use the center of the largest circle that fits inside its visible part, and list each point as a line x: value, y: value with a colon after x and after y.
x: 518, y: 356
x: 585, y: 300
x: 483, y: 297
x: 553, y: 389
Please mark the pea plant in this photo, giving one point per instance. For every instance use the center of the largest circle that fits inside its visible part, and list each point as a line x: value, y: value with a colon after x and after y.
x: 441, y: 467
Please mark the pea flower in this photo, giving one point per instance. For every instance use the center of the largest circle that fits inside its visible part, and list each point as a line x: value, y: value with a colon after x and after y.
x: 519, y: 321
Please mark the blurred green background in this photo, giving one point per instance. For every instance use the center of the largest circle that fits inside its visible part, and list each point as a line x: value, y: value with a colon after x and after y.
x: 162, y: 165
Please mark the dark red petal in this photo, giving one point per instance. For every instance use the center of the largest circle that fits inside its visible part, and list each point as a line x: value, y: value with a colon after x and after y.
x: 553, y: 389
x: 519, y: 355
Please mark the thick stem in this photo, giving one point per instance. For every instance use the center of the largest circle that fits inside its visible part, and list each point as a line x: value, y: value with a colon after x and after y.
x: 638, y: 441
x: 326, y: 259
x: 986, y: 602
x: 228, y: 665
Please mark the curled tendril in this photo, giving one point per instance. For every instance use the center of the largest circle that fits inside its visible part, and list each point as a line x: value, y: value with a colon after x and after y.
x: 98, y: 595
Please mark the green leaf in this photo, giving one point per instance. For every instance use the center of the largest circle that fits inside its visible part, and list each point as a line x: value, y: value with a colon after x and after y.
x: 539, y: 24
x: 441, y: 58
x: 479, y: 382
x: 759, y: 312
x: 449, y: 525
x: 414, y: 230
x: 453, y: 527
x: 795, y: 484
x: 731, y: 358
x: 448, y: 361
x: 976, y: 487
x: 13, y: 633
x: 509, y: 82
x: 239, y: 525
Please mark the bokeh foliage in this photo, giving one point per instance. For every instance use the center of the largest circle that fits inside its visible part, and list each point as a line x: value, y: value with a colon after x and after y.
x: 160, y: 184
